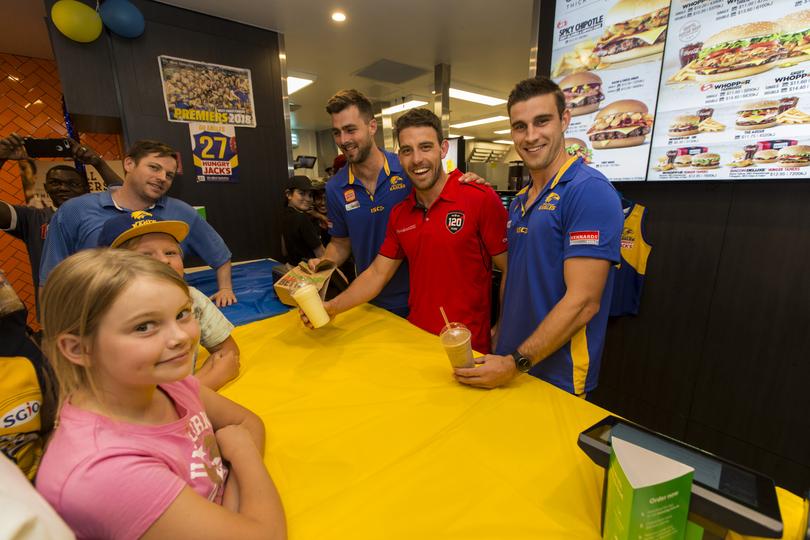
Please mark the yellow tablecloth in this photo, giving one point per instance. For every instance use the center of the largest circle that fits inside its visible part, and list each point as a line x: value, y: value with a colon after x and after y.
x: 369, y: 437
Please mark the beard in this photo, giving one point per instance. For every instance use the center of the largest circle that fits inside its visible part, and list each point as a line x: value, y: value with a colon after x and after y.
x: 426, y: 186
x: 363, y: 150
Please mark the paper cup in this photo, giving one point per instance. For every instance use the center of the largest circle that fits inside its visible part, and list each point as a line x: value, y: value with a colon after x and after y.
x: 309, y: 300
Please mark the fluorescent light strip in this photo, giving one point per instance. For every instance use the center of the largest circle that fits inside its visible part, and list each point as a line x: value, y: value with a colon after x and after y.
x: 456, y: 135
x: 412, y: 104
x: 294, y: 84
x: 489, y: 120
x: 502, y: 131
x: 475, y: 98
x: 503, y: 141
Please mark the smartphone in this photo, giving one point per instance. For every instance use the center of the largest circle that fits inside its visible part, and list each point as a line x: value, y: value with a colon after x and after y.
x: 47, y: 147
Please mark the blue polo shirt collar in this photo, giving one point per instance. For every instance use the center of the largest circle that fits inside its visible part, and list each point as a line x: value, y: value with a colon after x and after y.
x: 386, y: 172
x: 107, y: 201
x: 566, y: 173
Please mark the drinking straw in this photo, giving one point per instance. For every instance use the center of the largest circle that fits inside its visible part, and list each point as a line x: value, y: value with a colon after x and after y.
x: 444, y: 316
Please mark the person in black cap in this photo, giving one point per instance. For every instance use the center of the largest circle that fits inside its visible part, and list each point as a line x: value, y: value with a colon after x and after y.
x: 301, y: 235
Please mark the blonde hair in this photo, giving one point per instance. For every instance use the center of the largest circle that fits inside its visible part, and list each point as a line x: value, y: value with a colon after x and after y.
x: 78, y: 293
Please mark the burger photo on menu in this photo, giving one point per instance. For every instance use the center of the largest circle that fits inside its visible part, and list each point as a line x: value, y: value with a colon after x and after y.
x: 578, y: 148
x: 636, y: 28
x: 758, y: 115
x: 706, y: 160
x: 766, y: 156
x: 795, y: 38
x: 684, y: 125
x: 583, y: 92
x: 620, y: 124
x: 740, y: 51
x: 795, y: 156
x: 683, y: 161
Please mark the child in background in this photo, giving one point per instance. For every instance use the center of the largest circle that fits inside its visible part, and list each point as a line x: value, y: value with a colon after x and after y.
x: 148, y: 235
x: 140, y: 447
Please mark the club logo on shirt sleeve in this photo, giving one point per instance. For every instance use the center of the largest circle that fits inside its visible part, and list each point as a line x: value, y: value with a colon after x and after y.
x: 454, y: 221
x: 583, y: 238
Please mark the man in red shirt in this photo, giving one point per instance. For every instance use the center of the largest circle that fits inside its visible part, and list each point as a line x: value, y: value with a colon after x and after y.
x: 451, y: 233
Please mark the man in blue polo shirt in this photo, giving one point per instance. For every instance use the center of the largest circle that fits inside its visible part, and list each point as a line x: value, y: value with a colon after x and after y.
x: 150, y: 167
x: 564, y: 235
x: 360, y: 196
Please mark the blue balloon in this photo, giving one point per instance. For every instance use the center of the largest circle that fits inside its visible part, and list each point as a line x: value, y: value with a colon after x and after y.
x: 123, y: 18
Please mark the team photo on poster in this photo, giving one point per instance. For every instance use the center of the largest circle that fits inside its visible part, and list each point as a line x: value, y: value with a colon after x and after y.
x: 202, y: 92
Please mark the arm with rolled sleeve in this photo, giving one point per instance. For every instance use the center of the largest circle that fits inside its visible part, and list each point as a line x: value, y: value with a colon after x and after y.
x: 208, y: 244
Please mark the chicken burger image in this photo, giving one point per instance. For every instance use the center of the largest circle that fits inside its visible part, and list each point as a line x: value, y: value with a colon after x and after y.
x: 583, y: 92
x: 795, y: 36
x: 682, y: 161
x: 684, y: 125
x: 758, y: 115
x: 636, y: 28
x: 795, y: 156
x: 578, y: 148
x: 766, y: 156
x: 740, y: 51
x: 706, y: 160
x: 620, y: 124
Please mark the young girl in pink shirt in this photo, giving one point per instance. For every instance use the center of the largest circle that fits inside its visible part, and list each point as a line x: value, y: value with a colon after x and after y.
x: 141, y: 450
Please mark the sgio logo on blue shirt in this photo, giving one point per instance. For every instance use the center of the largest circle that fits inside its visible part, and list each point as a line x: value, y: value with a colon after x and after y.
x: 21, y: 414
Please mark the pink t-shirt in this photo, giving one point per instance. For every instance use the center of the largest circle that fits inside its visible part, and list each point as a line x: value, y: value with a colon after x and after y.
x: 110, y: 479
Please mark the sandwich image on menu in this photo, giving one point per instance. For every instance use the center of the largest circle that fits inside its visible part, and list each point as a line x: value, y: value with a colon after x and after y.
x: 636, y: 28
x: 795, y: 37
x: 684, y: 126
x: 795, y: 156
x: 740, y: 51
x: 620, y: 124
x: 583, y: 92
x: 758, y: 115
x: 706, y: 160
x: 578, y: 147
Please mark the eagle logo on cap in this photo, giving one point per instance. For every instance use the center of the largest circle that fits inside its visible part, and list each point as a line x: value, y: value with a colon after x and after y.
x: 140, y: 214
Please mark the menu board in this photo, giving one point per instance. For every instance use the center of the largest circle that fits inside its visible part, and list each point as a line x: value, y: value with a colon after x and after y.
x: 734, y: 101
x: 607, y: 57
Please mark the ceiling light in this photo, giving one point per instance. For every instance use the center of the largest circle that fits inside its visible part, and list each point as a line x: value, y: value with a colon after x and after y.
x: 503, y: 131
x: 338, y: 16
x: 412, y: 104
x: 475, y: 98
x: 294, y: 84
x: 456, y: 136
x: 503, y: 141
x: 489, y: 120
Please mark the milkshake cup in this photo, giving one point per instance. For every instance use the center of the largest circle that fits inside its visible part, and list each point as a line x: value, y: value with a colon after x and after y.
x: 309, y: 300
x: 457, y: 342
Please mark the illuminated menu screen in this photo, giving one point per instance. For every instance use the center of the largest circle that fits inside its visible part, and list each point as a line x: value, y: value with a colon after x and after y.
x: 692, y: 90
x: 607, y: 58
x: 735, y: 91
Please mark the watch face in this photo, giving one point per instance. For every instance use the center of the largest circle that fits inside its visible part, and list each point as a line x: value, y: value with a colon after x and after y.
x: 523, y: 364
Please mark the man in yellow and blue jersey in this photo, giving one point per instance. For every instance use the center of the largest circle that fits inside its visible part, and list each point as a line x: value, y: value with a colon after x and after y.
x: 564, y: 234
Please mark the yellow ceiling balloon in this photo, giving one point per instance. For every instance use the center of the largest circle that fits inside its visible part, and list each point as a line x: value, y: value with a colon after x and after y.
x: 76, y: 20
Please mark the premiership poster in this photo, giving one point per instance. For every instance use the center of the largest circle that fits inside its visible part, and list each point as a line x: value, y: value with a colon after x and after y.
x: 735, y: 92
x: 200, y: 92
x: 214, y: 150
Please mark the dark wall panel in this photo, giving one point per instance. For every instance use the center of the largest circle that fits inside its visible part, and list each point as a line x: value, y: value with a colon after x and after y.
x: 247, y: 214
x: 718, y: 354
